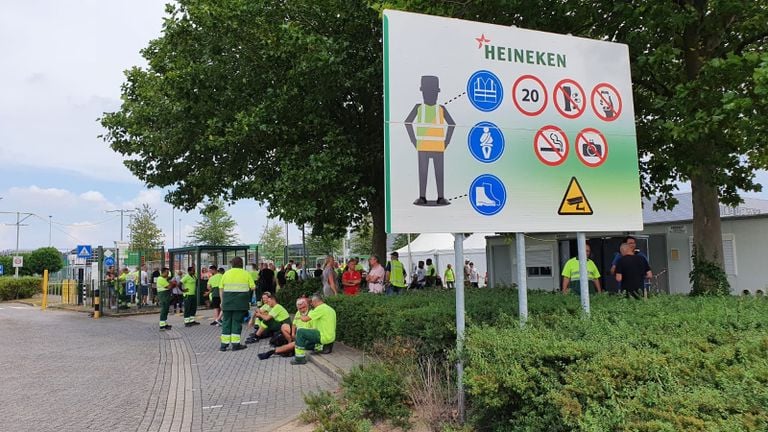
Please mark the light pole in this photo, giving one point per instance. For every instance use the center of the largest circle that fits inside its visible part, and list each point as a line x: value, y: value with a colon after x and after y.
x: 50, y: 229
x: 122, y: 214
x: 18, y: 224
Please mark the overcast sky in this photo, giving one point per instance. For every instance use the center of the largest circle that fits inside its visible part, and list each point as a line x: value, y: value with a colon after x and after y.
x: 63, y: 64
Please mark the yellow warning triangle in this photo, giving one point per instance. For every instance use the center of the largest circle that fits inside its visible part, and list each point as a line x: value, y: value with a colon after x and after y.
x: 575, y: 201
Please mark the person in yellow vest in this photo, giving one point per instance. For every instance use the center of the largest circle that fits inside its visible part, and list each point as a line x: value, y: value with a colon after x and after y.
x: 214, y: 283
x: 433, y: 132
x: 236, y: 286
x: 395, y: 274
x: 323, y: 332
x: 164, y: 298
x: 449, y: 277
x: 189, y: 286
x: 431, y: 276
x: 302, y: 310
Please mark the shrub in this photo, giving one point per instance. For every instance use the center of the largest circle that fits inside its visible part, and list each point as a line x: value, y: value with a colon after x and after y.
x: 379, y: 390
x: 708, y: 278
x: 12, y: 288
x: 326, y: 410
x: 288, y: 294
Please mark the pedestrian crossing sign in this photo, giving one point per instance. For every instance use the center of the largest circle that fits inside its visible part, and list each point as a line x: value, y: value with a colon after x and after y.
x: 84, y: 251
x: 575, y: 201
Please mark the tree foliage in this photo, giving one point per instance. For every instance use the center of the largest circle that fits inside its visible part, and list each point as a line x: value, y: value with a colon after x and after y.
x: 217, y: 227
x: 324, y: 244
x: 46, y: 258
x: 145, y: 234
x: 272, y: 242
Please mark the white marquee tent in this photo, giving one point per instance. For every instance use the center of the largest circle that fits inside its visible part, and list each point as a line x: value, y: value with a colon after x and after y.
x: 439, y: 247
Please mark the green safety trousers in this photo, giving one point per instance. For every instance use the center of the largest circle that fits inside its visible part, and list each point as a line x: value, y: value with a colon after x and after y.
x: 164, y: 298
x: 232, y: 326
x: 306, y: 339
x: 190, y: 308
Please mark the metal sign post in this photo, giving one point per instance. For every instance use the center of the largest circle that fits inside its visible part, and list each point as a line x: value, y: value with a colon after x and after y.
x: 458, y: 247
x: 522, y: 278
x: 581, y: 241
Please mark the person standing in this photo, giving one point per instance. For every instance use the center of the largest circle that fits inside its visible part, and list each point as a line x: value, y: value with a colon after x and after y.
x: 318, y: 271
x: 281, y: 282
x: 214, y: 285
x: 236, y: 286
x: 351, y: 279
x: 632, y: 242
x: 431, y: 277
x: 189, y: 286
x: 144, y: 286
x: 329, y: 277
x: 474, y: 276
x: 164, y: 298
x: 323, y: 321
x: 449, y: 277
x: 266, y: 280
x: 466, y: 273
x: 376, y: 275
x: 254, y: 272
x: 571, y: 275
x: 155, y: 275
x: 395, y: 272
x: 631, y: 271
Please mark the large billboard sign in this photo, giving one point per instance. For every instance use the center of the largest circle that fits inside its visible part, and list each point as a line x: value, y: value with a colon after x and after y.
x: 493, y: 128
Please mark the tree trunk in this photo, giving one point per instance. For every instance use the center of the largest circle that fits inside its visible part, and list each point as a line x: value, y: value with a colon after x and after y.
x: 707, y: 234
x: 379, y: 236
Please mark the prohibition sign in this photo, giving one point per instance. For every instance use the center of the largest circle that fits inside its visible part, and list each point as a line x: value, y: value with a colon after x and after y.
x: 606, y: 102
x: 570, y: 94
x: 591, y: 147
x: 532, y: 97
x: 551, y: 145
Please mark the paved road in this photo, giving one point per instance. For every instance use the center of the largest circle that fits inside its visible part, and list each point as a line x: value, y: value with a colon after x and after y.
x: 63, y: 371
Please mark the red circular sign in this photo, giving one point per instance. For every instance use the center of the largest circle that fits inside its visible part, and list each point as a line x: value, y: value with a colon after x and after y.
x: 570, y: 95
x: 591, y: 147
x: 606, y: 102
x: 551, y: 145
x: 532, y: 99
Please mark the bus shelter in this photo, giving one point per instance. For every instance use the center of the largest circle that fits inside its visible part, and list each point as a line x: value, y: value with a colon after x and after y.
x: 202, y: 257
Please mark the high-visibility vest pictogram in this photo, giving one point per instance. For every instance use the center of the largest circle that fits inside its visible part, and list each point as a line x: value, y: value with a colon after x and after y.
x: 430, y: 128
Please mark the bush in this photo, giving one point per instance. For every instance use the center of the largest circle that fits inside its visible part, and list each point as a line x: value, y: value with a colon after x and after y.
x: 288, y: 294
x: 326, y: 410
x: 668, y: 364
x: 12, y: 288
x: 379, y: 390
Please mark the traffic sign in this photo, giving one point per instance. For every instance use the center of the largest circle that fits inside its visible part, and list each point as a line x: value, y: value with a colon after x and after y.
x: 486, y: 142
x: 130, y: 288
x: 18, y: 261
x: 109, y: 261
x: 84, y: 251
x: 475, y: 76
x: 551, y: 145
x: 591, y: 147
x: 574, y: 201
x: 606, y: 102
x: 2, y: 270
x: 108, y: 253
x: 529, y: 95
x: 569, y: 98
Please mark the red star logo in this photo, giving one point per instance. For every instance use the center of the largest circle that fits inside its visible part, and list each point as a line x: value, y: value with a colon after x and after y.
x: 481, y: 40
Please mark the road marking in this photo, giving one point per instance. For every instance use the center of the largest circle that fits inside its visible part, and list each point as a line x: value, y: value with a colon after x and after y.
x: 19, y: 307
x: 249, y: 402
x: 212, y: 407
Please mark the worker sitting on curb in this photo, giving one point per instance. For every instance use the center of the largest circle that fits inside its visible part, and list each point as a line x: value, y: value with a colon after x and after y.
x: 302, y: 307
x: 323, y: 320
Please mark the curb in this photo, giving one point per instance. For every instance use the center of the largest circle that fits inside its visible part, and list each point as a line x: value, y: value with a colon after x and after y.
x: 326, y: 366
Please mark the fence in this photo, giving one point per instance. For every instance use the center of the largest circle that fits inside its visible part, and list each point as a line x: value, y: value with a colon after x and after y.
x: 70, y: 293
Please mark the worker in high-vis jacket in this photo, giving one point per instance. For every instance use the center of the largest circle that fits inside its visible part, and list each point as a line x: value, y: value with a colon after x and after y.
x: 395, y: 274
x: 164, y: 298
x: 322, y: 319
x: 189, y: 286
x: 431, y: 136
x: 235, y: 287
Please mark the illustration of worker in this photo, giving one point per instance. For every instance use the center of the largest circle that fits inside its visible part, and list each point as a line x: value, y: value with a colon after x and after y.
x: 434, y: 128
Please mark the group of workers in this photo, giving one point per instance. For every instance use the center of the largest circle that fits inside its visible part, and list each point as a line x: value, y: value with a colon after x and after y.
x: 230, y: 294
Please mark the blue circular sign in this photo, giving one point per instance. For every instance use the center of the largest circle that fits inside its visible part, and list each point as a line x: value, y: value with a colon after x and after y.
x: 485, y: 90
x: 486, y: 142
x: 487, y: 195
x: 109, y: 261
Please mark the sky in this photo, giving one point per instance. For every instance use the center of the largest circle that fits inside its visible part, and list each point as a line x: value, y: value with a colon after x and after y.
x: 63, y: 66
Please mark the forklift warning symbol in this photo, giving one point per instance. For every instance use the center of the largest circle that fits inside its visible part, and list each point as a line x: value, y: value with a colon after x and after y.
x: 574, y: 201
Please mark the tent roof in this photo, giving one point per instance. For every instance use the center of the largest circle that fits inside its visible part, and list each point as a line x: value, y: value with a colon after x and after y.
x: 433, y: 242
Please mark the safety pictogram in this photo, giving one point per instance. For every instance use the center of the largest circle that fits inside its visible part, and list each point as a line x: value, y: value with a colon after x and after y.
x: 485, y: 91
x: 487, y: 195
x: 551, y: 145
x: 569, y: 98
x: 486, y: 142
x: 529, y: 95
x: 574, y: 201
x: 606, y: 102
x: 591, y: 147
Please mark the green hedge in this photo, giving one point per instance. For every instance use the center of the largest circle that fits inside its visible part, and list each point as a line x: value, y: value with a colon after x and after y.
x: 668, y: 364
x: 288, y: 294
x: 12, y: 288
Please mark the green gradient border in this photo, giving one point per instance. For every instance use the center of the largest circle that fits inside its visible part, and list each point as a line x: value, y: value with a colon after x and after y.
x: 387, y: 192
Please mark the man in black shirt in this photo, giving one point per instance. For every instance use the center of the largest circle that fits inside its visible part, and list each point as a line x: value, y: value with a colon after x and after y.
x: 266, y: 281
x: 631, y: 271
x: 281, y: 277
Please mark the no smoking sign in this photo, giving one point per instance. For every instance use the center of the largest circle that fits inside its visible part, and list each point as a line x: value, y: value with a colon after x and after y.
x: 551, y: 145
x: 529, y: 95
x: 591, y: 147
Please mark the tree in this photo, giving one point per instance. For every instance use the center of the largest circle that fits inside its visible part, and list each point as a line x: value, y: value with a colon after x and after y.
x: 146, y: 236
x: 217, y: 227
x: 361, y: 239
x: 324, y: 244
x: 272, y: 242
x: 41, y: 259
x: 401, y: 240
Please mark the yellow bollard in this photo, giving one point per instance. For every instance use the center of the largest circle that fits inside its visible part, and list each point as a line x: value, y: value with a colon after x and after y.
x: 44, y: 305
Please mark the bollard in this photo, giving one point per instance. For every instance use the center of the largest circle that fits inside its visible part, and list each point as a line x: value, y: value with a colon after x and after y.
x: 44, y: 304
x: 96, y: 303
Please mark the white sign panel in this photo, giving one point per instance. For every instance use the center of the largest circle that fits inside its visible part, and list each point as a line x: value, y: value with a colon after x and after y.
x: 18, y: 261
x: 492, y: 128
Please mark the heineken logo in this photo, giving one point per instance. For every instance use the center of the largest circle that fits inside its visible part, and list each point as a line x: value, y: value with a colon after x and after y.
x: 519, y: 55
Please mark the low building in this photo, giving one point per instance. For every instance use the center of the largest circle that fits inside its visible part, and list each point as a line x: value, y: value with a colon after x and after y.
x: 667, y: 240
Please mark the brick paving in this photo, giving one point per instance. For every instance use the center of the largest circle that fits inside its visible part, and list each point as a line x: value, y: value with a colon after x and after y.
x: 62, y: 371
